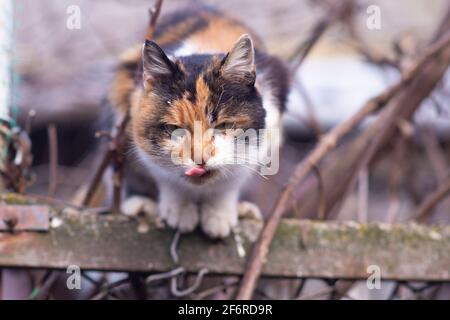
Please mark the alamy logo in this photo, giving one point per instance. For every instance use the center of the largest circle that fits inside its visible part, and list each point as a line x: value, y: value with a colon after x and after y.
x: 374, y: 280
x: 73, y: 21
x: 373, y: 21
x: 74, y: 280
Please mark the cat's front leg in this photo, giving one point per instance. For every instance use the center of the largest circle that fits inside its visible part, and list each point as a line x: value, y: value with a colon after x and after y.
x: 219, y: 213
x: 177, y: 209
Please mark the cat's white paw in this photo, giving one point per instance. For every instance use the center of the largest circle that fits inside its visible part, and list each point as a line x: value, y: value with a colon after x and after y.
x: 217, y: 222
x: 249, y: 210
x: 135, y: 205
x: 181, y: 216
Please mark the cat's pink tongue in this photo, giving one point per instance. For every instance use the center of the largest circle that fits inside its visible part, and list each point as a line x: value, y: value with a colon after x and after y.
x: 195, y: 172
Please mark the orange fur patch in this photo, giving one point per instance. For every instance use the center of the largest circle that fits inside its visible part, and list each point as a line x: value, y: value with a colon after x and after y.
x: 177, y: 31
x: 183, y: 113
x: 142, y: 111
x: 219, y: 36
x: 121, y: 87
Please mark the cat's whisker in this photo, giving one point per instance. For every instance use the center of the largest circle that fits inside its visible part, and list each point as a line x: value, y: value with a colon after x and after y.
x: 253, y: 170
x: 246, y: 159
x: 227, y: 170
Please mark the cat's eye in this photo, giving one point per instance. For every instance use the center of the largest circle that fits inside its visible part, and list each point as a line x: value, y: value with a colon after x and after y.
x: 169, y: 128
x: 225, y: 126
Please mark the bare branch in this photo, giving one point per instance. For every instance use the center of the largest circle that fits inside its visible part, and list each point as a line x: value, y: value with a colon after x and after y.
x: 117, y: 147
x: 154, y: 15
x: 327, y: 143
x: 335, y: 13
x: 53, y: 156
x: 432, y: 200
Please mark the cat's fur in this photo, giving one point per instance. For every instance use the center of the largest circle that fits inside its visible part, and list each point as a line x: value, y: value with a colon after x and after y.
x: 202, y: 66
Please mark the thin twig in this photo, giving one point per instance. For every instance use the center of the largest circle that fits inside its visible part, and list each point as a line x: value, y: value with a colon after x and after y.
x: 116, y: 151
x: 154, y: 14
x: 60, y: 204
x: 97, y: 178
x: 311, y: 116
x: 395, y: 179
x: 334, y: 14
x: 435, y: 153
x: 374, y: 58
x: 322, y: 212
x: 53, y: 159
x: 432, y: 200
x: 118, y: 172
x: 363, y: 195
x: 216, y: 289
x: 29, y: 122
x: 43, y: 291
x: 317, y: 295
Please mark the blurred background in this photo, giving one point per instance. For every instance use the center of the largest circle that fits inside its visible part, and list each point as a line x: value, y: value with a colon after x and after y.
x: 62, y: 76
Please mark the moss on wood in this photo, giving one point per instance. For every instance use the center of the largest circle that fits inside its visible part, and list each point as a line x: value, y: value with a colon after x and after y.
x: 300, y: 248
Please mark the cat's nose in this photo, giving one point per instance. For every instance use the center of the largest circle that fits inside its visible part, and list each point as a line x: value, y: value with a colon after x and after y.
x: 202, y: 152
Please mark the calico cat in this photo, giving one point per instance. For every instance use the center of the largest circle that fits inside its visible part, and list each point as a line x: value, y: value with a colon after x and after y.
x: 203, y: 71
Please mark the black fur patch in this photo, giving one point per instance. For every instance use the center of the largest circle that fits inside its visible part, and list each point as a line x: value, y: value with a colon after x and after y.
x: 277, y: 74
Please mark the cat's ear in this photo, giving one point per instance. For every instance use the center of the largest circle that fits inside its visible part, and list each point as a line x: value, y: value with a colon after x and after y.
x: 155, y: 63
x: 239, y: 63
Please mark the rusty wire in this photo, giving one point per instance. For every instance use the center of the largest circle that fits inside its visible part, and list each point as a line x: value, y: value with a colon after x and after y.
x: 402, y: 290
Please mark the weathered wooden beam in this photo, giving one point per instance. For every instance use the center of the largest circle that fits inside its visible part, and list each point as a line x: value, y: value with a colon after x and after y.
x: 24, y: 217
x: 301, y: 248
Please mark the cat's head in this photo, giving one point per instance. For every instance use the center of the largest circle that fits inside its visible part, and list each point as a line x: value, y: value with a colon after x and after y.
x: 191, y: 109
